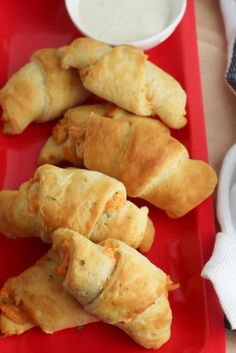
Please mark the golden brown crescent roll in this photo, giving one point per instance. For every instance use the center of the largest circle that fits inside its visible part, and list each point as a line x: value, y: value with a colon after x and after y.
x: 123, y: 75
x: 89, y: 202
x: 36, y: 297
x: 117, y: 284
x: 140, y: 152
x: 40, y: 91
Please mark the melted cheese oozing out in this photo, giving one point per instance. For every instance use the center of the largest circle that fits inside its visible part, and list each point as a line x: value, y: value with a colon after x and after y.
x: 117, y: 22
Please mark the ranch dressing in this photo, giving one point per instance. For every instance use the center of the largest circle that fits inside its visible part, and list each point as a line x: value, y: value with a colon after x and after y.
x: 120, y: 21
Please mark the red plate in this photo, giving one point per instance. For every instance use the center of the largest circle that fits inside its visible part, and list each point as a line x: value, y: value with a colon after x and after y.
x: 181, y: 246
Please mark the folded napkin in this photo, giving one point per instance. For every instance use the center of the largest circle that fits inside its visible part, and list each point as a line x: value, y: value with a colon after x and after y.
x: 221, y: 268
x: 228, y: 9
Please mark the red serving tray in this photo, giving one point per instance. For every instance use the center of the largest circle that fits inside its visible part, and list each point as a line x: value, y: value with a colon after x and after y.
x: 181, y: 246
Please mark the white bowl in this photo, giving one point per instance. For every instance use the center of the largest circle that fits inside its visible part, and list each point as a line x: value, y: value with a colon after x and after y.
x: 177, y: 8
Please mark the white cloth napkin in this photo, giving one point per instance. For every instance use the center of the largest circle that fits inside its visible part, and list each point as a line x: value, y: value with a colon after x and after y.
x: 228, y: 9
x: 221, y: 268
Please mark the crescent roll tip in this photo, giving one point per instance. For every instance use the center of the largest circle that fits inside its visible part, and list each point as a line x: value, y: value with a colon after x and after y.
x: 36, y: 297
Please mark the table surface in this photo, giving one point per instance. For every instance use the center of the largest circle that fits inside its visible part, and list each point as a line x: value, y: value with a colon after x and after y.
x: 219, y: 101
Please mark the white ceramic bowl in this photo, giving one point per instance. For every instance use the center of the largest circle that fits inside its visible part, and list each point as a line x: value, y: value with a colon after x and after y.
x: 178, y: 8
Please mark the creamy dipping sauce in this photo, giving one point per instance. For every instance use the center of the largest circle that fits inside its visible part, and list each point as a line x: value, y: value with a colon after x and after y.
x: 119, y: 21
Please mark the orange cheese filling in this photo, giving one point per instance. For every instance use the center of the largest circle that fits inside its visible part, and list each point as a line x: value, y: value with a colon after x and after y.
x: 11, y: 310
x: 59, y: 131
x: 111, y: 250
x: 63, y: 267
x: 117, y: 201
x: 171, y: 286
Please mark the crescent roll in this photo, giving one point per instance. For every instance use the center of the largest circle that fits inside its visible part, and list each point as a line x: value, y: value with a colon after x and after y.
x: 123, y: 75
x: 116, y: 284
x: 140, y: 152
x: 36, y: 297
x: 89, y: 202
x: 40, y: 91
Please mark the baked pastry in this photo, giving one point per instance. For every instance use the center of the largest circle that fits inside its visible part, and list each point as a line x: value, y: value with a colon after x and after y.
x: 140, y: 152
x: 40, y: 91
x: 36, y: 297
x: 117, y: 284
x: 89, y: 202
x: 123, y: 75
x: 66, y: 143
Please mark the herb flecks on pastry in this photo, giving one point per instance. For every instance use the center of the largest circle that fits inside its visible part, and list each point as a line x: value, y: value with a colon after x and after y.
x: 86, y: 201
x: 36, y: 297
x: 118, y: 285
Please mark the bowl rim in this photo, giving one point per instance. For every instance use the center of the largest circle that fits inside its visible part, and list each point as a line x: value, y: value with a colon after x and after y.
x: 158, y: 37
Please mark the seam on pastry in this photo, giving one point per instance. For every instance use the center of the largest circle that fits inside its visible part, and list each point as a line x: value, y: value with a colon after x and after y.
x: 91, y: 233
x: 70, y: 250
x: 104, y: 284
x: 46, y: 91
x: 123, y: 149
x: 165, y: 174
x: 148, y: 98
